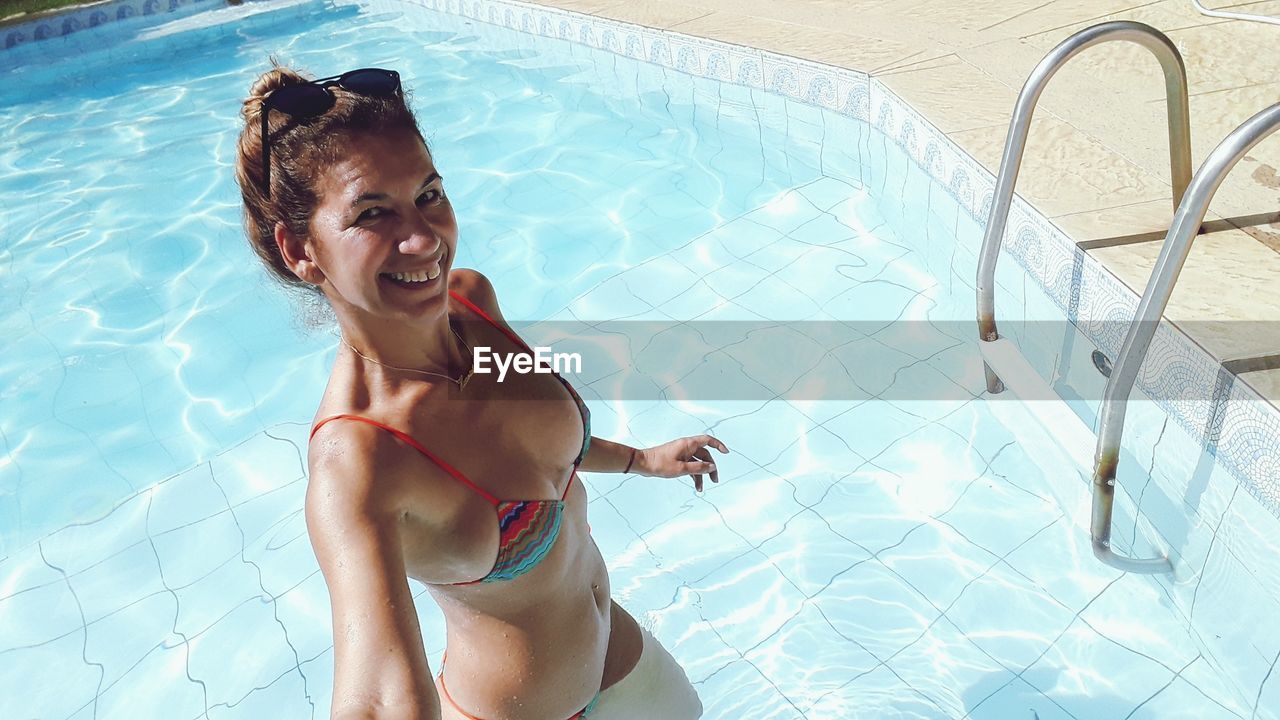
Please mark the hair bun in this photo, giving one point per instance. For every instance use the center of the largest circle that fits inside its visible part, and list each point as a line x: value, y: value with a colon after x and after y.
x: 277, y: 77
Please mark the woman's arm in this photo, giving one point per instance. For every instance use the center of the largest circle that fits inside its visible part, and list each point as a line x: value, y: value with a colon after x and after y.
x: 380, y: 667
x: 607, y: 456
x: 684, y: 456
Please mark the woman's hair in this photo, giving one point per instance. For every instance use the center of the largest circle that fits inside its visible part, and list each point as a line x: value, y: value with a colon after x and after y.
x: 300, y: 148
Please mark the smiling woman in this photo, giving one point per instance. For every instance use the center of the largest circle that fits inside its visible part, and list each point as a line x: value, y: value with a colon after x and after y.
x: 342, y: 198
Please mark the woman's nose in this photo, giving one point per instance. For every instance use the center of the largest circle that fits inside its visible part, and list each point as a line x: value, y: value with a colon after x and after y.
x: 422, y: 240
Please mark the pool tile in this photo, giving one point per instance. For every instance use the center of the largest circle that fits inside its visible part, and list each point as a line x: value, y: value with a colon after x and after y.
x: 1016, y: 701
x: 284, y: 557
x: 814, y: 461
x: 865, y: 509
x: 775, y: 299
x: 747, y: 600
x: 306, y: 615
x: 117, y: 581
x: 764, y: 434
x: 1008, y: 617
x: 646, y: 509
x: 826, y: 192
x: 259, y: 464
x: 871, y: 427
x: 997, y: 516
x: 695, y: 544
x: 1060, y: 561
x: 158, y: 686
x: 123, y: 639
x: 206, y: 600
x: 785, y: 211
x: 39, y: 614
x: 1182, y: 701
x: 189, y: 497
x: 641, y: 584
x: 810, y: 554
x: 1090, y: 676
x: 1123, y: 613
x: 806, y: 659
x: 937, y: 562
x: 944, y: 666
x: 756, y: 504
x: 286, y: 696
x: 79, y: 546
x: 878, y: 610
x: 691, y: 640
x: 877, y: 695
x: 231, y: 668
x: 740, y: 691
x: 190, y: 552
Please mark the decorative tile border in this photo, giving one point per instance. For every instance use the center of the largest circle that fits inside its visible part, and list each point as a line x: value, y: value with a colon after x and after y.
x: 73, y: 20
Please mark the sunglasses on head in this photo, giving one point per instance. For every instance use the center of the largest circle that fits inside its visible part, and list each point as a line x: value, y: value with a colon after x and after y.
x: 307, y: 100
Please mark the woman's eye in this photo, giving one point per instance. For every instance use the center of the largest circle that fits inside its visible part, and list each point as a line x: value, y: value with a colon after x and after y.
x: 369, y: 214
x: 430, y: 196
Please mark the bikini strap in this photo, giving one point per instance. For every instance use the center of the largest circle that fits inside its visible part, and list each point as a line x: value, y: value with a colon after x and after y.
x: 480, y: 311
x: 408, y: 440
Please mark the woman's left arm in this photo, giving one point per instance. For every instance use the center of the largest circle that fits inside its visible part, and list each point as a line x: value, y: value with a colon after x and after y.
x: 685, y: 456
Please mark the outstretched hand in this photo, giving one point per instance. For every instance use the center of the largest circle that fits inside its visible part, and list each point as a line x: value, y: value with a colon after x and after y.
x: 686, y: 456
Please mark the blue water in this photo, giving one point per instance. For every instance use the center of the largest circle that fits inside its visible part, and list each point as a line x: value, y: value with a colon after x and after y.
x: 872, y: 559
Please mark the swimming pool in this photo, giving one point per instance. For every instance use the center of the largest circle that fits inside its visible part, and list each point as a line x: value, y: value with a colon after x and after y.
x: 874, y: 555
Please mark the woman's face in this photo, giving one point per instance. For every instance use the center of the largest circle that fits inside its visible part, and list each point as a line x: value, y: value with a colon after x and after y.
x: 383, y: 233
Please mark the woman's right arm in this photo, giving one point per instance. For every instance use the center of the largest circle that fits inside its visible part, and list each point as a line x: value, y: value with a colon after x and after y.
x: 380, y: 668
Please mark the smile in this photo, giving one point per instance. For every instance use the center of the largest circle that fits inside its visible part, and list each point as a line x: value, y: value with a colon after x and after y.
x: 425, y: 275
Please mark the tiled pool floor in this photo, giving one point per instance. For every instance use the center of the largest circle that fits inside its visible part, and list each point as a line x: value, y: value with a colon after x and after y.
x: 864, y: 559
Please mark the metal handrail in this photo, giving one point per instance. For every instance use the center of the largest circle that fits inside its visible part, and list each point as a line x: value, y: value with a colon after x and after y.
x: 1186, y: 223
x: 1175, y: 88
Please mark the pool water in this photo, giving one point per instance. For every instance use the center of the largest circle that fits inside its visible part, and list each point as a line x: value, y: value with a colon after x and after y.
x: 877, y: 557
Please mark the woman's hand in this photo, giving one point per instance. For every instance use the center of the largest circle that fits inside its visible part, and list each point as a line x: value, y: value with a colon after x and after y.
x: 686, y: 456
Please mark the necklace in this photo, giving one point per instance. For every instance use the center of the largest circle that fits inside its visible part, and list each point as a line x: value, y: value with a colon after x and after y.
x: 461, y: 382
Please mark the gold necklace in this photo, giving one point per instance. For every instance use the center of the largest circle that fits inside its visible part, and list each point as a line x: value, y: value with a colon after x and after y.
x: 461, y: 382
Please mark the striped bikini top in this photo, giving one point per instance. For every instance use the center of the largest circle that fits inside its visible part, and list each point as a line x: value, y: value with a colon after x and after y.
x: 527, y: 529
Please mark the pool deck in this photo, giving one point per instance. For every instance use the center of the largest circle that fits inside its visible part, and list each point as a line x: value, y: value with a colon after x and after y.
x: 1097, y: 160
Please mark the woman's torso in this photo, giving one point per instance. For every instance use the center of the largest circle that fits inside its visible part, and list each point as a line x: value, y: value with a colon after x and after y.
x: 539, y: 645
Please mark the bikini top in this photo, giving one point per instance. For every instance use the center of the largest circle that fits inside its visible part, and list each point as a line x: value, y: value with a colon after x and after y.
x: 527, y: 529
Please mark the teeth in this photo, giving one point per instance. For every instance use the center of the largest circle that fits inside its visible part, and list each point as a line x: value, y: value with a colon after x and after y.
x: 431, y: 273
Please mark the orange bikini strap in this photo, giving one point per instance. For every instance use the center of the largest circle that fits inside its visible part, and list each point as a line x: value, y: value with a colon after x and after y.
x: 479, y: 311
x: 406, y: 439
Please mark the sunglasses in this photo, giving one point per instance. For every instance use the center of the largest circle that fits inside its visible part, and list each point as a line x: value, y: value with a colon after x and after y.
x: 314, y: 98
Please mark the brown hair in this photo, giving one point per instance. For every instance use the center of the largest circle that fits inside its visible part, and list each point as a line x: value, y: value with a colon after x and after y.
x: 299, y: 148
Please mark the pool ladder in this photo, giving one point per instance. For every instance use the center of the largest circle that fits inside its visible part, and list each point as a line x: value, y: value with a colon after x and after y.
x: 1191, y: 196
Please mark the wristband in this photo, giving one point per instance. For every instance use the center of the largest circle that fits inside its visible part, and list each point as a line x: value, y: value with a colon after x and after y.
x: 633, y: 459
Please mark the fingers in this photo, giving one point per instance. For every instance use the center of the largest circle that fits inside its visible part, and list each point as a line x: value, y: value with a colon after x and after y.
x: 704, y: 440
x: 704, y: 454
x: 696, y: 468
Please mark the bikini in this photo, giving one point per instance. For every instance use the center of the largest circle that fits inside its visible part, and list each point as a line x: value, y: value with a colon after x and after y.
x: 527, y: 529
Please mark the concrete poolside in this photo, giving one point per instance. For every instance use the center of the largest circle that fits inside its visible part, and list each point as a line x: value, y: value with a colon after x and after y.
x: 1097, y: 162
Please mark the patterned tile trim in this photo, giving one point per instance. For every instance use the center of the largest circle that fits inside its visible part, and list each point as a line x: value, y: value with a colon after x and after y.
x: 76, y: 19
x: 1243, y: 431
x: 825, y: 86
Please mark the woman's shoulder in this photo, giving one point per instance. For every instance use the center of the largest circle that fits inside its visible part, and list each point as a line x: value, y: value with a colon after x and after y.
x: 476, y: 288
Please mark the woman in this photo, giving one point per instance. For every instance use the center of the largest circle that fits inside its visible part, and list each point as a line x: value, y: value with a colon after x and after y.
x: 412, y: 456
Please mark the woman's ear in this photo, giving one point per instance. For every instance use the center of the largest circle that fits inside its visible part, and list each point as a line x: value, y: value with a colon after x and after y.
x: 297, y: 255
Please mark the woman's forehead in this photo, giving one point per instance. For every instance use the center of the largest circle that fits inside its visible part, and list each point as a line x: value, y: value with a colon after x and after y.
x: 376, y: 164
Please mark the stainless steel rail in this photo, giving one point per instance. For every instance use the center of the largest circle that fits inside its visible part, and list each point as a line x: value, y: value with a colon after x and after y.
x: 1175, y: 88
x: 1186, y: 223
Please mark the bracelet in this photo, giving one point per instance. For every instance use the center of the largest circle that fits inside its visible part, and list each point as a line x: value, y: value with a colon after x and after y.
x: 633, y: 459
